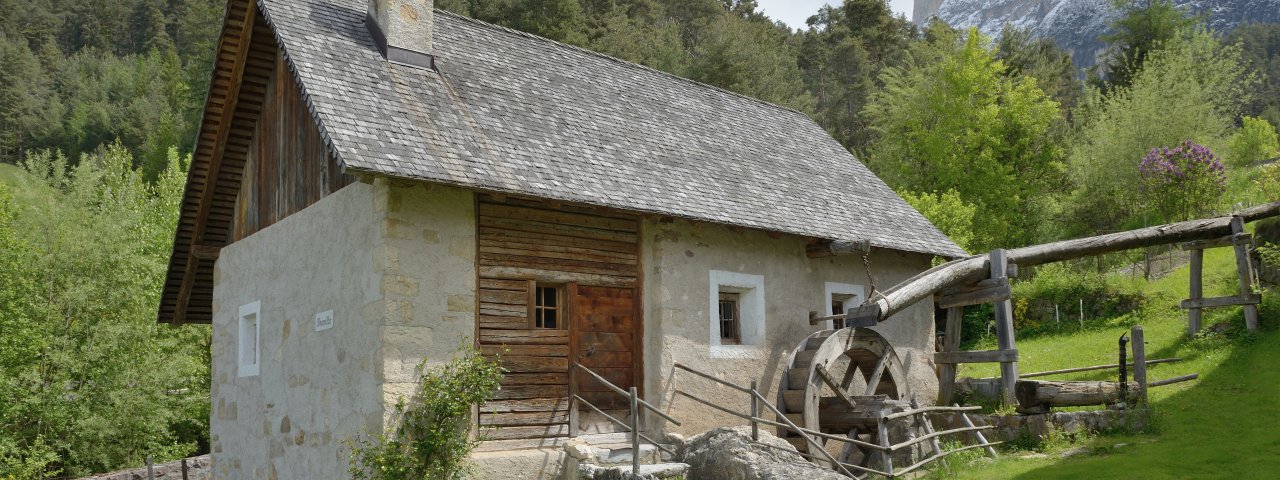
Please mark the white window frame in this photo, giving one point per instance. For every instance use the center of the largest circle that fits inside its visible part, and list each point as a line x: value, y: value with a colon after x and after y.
x: 751, y: 321
x: 854, y: 296
x: 249, y: 319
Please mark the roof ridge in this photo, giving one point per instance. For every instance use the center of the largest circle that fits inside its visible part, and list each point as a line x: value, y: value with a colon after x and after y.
x: 627, y: 63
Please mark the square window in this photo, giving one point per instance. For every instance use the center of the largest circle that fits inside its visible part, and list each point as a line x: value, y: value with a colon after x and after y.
x: 736, y: 314
x: 548, y: 307
x: 841, y: 297
x: 248, y: 344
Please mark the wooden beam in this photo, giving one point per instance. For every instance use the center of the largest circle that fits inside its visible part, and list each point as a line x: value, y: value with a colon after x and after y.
x: 983, y: 356
x: 1251, y: 299
x: 215, y: 163
x: 986, y: 291
x: 1092, y: 368
x: 1197, y: 291
x: 999, y: 264
x: 837, y: 247
x: 950, y: 343
x: 972, y: 269
x: 1245, y: 269
x: 1226, y: 241
x: 205, y: 252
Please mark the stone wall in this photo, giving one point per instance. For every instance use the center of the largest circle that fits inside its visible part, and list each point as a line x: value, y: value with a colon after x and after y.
x: 678, y: 258
x: 426, y: 258
x: 315, y: 388
x: 197, y: 469
x: 1038, y: 427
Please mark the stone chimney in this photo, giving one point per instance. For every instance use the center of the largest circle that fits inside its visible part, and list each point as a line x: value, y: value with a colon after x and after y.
x: 403, y: 30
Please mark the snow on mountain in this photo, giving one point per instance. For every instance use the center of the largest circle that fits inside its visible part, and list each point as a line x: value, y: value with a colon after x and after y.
x: 1076, y: 24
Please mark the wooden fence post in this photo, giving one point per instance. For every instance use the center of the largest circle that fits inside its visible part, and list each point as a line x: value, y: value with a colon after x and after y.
x: 755, y: 413
x: 1004, y: 329
x: 950, y: 343
x: 1138, y: 343
x: 1197, y: 291
x: 150, y: 474
x: 1245, y: 268
x: 635, y: 433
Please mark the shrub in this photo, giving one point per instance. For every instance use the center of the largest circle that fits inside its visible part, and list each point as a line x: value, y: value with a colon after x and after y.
x: 1058, y: 284
x: 1182, y: 182
x: 1256, y: 141
x: 948, y: 211
x: 428, y: 436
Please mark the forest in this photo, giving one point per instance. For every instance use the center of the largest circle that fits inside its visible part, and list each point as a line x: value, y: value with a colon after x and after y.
x: 1001, y: 142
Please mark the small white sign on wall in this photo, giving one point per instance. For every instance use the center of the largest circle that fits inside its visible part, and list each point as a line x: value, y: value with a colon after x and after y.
x: 324, y: 320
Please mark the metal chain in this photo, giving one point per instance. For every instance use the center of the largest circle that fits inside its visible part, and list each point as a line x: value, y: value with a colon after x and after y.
x: 871, y: 279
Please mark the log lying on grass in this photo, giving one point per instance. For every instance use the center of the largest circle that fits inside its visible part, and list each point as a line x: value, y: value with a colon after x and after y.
x: 1037, y: 396
x: 972, y: 269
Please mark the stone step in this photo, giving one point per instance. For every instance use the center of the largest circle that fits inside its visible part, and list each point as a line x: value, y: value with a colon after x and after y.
x: 619, y: 453
x: 589, y: 471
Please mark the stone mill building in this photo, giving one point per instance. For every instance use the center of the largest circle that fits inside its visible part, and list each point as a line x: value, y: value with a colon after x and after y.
x: 377, y: 183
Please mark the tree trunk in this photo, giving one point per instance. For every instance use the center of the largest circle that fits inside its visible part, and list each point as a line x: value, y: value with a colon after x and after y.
x: 1036, y: 396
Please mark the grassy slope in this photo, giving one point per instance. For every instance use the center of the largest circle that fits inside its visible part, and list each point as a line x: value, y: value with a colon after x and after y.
x: 1224, y: 425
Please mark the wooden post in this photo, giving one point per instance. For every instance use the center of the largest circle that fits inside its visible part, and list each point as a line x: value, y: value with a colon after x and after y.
x: 950, y: 343
x: 755, y: 413
x: 982, y: 439
x: 150, y: 474
x: 635, y: 433
x: 886, y: 456
x: 999, y: 261
x: 1245, y: 268
x: 184, y: 469
x: 923, y: 418
x: 1197, y: 291
x: 1138, y: 343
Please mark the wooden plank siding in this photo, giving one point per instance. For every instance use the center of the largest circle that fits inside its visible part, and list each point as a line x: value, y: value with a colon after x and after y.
x: 592, y: 254
x: 258, y: 158
x: 289, y: 167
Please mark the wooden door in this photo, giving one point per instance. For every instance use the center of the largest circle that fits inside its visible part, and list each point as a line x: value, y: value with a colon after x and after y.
x: 604, y: 339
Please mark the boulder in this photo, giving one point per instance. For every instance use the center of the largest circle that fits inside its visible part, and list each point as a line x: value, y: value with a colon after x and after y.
x: 727, y: 453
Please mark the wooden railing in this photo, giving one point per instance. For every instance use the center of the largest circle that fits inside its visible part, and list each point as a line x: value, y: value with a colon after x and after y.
x: 884, y: 449
x: 632, y: 426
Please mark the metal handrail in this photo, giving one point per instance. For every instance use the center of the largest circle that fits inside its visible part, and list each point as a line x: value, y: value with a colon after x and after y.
x: 624, y: 393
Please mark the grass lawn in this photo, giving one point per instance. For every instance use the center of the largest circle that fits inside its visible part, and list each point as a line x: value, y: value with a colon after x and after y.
x: 1226, y: 424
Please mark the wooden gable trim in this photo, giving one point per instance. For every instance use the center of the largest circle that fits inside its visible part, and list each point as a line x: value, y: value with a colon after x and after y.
x: 245, y: 61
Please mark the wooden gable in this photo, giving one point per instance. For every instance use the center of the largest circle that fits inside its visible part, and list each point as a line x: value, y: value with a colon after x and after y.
x: 258, y: 158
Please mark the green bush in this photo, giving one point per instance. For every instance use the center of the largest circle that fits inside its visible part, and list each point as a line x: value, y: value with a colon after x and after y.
x: 1256, y: 141
x: 428, y: 437
x: 1058, y: 284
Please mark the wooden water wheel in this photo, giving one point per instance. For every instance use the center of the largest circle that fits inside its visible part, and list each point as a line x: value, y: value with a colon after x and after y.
x: 857, y: 361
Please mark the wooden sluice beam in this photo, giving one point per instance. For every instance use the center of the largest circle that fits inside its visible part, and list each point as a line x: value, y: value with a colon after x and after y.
x: 973, y: 269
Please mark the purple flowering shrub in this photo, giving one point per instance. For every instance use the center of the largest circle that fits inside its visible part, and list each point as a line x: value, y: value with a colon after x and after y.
x: 1182, y: 182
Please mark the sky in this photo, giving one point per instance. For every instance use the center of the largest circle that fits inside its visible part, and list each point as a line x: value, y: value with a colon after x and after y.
x: 795, y: 12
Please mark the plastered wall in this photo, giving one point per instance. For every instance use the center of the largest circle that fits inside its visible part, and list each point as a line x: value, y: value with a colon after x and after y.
x: 678, y: 258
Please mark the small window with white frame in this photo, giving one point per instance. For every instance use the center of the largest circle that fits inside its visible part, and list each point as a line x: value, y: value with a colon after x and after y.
x: 248, y: 340
x: 730, y: 319
x: 840, y: 297
x: 736, y: 309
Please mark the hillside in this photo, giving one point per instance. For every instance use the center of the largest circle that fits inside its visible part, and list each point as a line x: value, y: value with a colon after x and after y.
x: 1076, y: 24
x: 1219, y: 426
